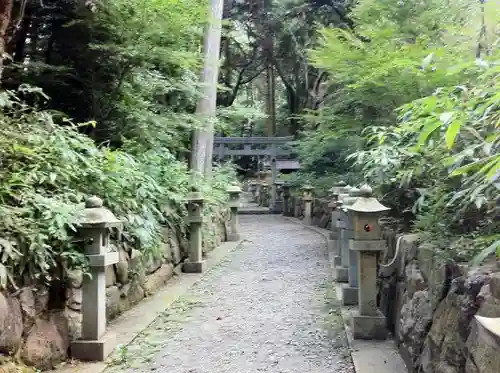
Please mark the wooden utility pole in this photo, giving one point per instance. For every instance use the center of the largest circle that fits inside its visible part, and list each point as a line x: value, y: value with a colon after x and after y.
x: 270, y: 75
x: 203, y: 138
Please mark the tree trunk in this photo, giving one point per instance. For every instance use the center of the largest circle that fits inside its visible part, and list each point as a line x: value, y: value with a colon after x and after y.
x: 201, y: 151
x: 5, y: 16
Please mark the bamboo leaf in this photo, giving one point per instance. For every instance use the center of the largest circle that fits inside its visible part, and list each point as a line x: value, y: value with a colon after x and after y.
x: 451, y: 133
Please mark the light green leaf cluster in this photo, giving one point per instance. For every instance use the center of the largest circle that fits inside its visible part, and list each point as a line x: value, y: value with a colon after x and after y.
x: 406, y: 79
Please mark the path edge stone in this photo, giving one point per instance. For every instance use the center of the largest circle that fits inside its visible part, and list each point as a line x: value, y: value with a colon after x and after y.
x: 130, y: 324
x: 366, y: 356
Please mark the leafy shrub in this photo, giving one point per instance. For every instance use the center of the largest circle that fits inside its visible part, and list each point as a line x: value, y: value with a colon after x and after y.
x: 48, y: 169
x: 406, y: 82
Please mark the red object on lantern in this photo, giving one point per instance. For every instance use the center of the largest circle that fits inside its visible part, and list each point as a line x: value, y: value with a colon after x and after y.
x: 368, y: 228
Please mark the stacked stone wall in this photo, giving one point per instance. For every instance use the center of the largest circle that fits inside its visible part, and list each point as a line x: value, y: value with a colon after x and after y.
x: 432, y: 304
x: 37, y: 323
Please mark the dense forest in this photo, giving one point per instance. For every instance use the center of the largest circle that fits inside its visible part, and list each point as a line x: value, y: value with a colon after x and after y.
x: 100, y: 98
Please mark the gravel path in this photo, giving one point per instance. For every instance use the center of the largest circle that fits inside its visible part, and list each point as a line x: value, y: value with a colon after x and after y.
x: 268, y: 307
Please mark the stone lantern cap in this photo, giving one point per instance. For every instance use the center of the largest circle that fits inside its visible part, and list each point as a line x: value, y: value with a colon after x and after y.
x: 335, y: 189
x: 97, y: 216
x: 351, y: 198
x: 365, y: 203
x: 345, y: 189
x: 344, y: 192
x: 234, y: 189
x: 307, y: 187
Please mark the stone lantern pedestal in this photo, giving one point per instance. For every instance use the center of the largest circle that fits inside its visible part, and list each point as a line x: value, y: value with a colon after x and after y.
x: 308, y: 200
x: 195, y: 263
x: 234, y: 204
x: 93, y: 344
x: 367, y: 322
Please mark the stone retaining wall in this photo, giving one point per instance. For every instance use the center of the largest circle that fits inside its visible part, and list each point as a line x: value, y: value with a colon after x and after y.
x: 38, y: 323
x: 430, y: 304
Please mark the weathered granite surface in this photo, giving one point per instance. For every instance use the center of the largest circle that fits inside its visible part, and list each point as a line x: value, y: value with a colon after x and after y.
x: 431, y: 303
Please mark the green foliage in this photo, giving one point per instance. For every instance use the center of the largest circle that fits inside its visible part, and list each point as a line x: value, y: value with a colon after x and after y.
x: 416, y: 115
x: 49, y: 168
x: 151, y: 48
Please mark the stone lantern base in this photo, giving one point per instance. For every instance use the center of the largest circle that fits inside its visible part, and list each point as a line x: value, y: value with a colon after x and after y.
x: 194, y: 267
x: 369, y: 327
x: 341, y: 274
x: 349, y: 295
x: 277, y: 207
x: 97, y: 350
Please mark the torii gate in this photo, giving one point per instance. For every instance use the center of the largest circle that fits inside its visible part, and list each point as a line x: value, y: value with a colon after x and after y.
x: 261, y: 147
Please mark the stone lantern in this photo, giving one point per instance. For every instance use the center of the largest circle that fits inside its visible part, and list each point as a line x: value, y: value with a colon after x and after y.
x: 368, y: 322
x: 308, y: 199
x: 342, y: 270
x: 277, y: 207
x: 336, y: 189
x: 234, y: 204
x: 253, y: 190
x: 264, y: 194
x: 195, y: 263
x: 286, y: 199
x: 332, y: 205
x: 95, y: 229
x: 350, y: 290
x: 334, y: 237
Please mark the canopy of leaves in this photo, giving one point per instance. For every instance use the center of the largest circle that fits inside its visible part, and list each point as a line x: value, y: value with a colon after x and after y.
x: 127, y: 72
x: 413, y: 103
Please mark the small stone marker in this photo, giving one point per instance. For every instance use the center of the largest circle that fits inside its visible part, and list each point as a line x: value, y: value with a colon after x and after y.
x: 93, y: 344
x: 368, y: 322
x: 195, y: 263
x: 308, y: 199
x: 234, y: 204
